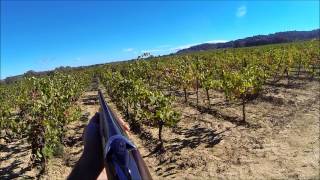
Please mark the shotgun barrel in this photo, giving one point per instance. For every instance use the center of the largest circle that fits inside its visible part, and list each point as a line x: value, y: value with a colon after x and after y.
x: 122, y: 159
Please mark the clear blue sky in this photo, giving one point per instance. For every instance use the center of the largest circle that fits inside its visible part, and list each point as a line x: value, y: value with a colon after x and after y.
x: 43, y: 35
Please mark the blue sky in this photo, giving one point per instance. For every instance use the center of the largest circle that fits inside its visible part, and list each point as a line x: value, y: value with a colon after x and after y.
x: 43, y: 35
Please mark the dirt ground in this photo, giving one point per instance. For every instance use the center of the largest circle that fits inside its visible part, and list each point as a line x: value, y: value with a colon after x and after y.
x: 279, y: 141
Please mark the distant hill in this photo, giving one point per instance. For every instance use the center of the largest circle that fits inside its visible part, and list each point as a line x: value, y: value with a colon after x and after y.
x: 279, y: 37
x: 31, y: 73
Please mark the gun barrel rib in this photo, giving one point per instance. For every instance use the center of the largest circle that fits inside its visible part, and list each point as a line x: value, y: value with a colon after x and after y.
x: 123, y: 161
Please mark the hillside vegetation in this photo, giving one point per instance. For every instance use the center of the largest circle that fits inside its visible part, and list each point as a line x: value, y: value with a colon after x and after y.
x: 279, y: 37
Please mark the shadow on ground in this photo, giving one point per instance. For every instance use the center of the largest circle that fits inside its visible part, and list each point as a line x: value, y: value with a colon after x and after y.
x: 172, y: 160
x: 90, y: 100
x: 214, y: 112
x: 193, y: 137
x: 14, y: 170
x: 8, y: 171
